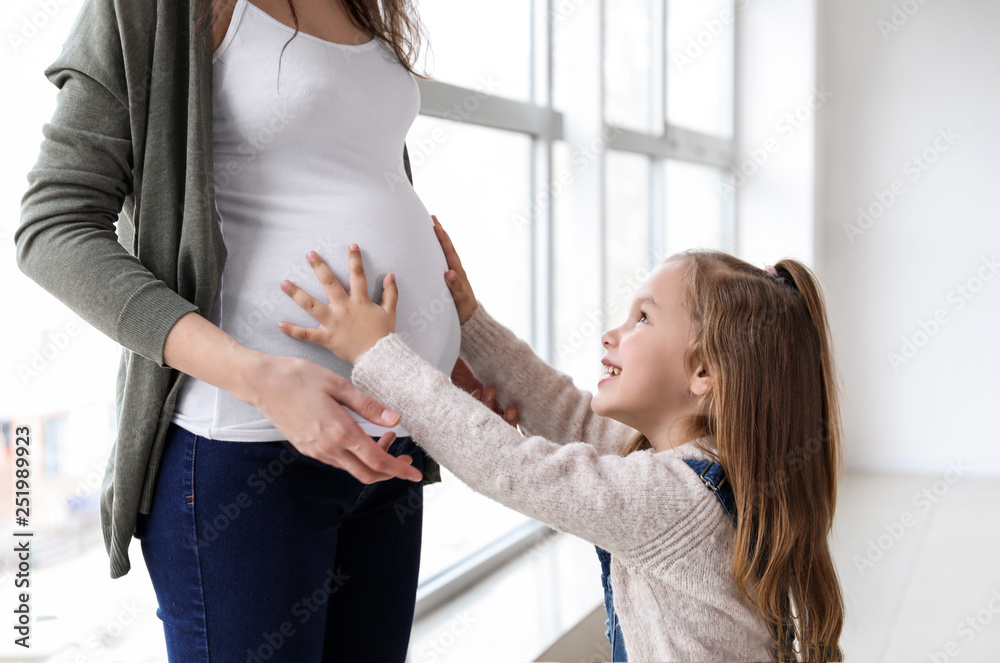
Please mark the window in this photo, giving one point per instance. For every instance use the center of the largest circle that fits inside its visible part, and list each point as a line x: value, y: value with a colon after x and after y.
x: 628, y: 63
x: 626, y: 231
x: 700, y: 65
x: 498, y: 33
x: 569, y: 148
x: 698, y: 209
x: 54, y: 440
x: 652, y: 114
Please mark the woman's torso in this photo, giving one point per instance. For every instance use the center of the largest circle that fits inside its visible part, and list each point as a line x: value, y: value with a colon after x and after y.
x: 312, y: 161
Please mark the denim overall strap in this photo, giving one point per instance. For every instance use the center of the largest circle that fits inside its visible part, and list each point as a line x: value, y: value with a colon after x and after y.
x: 714, y: 478
x: 614, y: 630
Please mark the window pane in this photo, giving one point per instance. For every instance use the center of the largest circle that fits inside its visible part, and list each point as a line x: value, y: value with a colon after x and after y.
x: 476, y: 181
x: 700, y: 65
x: 627, y: 68
x: 576, y: 320
x: 576, y: 348
x: 53, y: 441
x: 475, y: 43
x: 698, y: 212
x: 626, y: 232
x: 458, y: 521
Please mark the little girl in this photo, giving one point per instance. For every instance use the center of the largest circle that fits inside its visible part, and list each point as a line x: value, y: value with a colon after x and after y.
x: 719, y: 362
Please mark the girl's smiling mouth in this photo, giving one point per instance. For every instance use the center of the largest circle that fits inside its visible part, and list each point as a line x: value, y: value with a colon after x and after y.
x: 610, y: 371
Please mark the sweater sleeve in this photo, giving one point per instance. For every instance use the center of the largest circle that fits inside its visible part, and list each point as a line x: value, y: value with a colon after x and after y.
x: 67, y: 241
x: 548, y: 402
x: 626, y: 505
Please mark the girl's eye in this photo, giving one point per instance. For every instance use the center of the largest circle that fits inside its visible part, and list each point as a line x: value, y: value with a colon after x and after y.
x: 642, y: 316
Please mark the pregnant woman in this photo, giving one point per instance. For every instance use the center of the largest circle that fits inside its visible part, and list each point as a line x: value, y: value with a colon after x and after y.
x: 237, y: 136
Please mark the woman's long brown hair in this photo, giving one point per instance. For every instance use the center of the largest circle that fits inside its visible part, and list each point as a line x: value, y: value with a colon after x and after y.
x: 396, y: 22
x: 774, y: 416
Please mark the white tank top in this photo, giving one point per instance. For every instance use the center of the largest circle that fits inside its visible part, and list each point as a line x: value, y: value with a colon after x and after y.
x: 312, y: 162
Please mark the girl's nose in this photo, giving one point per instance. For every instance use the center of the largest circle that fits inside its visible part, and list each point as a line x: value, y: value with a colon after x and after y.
x: 606, y: 338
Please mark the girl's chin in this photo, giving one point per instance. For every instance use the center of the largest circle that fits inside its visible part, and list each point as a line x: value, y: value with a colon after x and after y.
x: 597, y: 406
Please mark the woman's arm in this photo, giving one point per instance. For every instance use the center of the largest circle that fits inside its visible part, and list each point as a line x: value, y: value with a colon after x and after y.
x: 67, y: 243
x: 622, y: 504
x: 66, y: 240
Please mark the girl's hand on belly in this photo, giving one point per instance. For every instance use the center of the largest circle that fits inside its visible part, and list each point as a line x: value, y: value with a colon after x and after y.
x: 351, y: 324
x: 458, y: 282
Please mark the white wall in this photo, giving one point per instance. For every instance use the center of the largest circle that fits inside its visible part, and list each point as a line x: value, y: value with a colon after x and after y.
x: 897, y: 94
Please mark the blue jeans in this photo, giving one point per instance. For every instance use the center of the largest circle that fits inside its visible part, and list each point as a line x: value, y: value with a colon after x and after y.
x: 260, y: 554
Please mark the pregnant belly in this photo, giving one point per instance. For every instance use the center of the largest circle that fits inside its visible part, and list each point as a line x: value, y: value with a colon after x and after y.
x: 268, y: 243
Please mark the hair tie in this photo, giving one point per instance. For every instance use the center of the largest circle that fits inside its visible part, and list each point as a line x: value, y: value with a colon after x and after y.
x: 772, y: 271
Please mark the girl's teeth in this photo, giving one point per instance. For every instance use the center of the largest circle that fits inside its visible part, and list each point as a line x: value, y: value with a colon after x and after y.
x: 611, y: 370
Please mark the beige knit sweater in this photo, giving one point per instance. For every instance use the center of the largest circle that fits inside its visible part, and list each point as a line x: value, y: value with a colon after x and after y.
x: 669, y: 538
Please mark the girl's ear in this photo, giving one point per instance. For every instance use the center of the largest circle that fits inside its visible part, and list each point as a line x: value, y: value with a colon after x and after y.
x: 700, y: 380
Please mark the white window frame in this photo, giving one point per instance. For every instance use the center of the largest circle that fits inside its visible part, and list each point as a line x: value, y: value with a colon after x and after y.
x: 538, y: 119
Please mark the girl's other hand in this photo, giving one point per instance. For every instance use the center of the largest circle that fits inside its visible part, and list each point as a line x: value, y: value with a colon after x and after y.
x: 351, y: 324
x: 463, y: 378
x: 458, y: 282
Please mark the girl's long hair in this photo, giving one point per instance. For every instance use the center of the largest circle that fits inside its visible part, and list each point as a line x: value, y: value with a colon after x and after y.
x: 774, y: 416
x: 396, y: 22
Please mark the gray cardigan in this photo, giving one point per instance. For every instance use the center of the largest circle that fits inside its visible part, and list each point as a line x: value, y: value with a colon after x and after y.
x: 132, y: 133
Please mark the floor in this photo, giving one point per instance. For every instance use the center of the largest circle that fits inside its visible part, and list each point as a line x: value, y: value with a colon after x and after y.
x: 919, y: 563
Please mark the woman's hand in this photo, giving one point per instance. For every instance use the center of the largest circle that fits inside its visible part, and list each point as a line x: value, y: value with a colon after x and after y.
x: 303, y: 400
x: 458, y: 282
x: 306, y: 402
x: 351, y: 324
